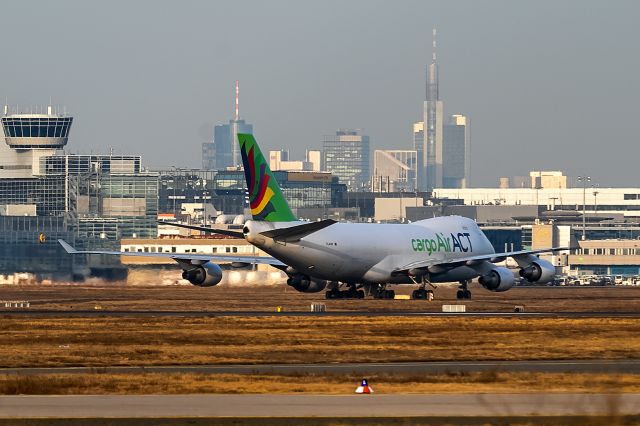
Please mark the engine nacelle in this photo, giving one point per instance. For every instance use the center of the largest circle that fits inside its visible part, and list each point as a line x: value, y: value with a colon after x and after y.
x: 305, y: 284
x: 540, y: 271
x: 206, y: 275
x: 499, y: 279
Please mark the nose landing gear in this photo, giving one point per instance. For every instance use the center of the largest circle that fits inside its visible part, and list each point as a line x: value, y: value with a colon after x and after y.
x: 463, y: 292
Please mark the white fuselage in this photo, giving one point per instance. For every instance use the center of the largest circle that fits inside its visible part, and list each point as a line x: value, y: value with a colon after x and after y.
x: 364, y: 252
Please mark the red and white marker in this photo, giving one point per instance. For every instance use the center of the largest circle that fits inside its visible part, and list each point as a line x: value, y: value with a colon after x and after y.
x: 364, y: 387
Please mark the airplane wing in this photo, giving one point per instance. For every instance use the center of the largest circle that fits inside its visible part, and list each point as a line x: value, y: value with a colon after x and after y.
x: 472, y: 260
x: 236, y: 234
x: 180, y: 256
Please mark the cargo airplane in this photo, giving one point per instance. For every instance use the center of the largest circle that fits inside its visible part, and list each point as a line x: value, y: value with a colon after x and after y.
x: 351, y: 260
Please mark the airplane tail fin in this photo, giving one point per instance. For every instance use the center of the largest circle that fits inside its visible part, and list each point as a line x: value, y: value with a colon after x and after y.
x: 265, y: 197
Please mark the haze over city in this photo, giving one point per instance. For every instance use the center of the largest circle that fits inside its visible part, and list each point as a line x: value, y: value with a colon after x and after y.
x: 547, y: 85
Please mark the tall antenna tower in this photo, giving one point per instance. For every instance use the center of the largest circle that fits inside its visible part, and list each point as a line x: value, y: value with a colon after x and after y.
x: 433, y: 54
x: 237, y: 101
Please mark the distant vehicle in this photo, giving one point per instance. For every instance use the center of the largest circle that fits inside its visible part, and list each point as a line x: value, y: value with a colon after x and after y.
x: 363, y: 258
x: 607, y: 280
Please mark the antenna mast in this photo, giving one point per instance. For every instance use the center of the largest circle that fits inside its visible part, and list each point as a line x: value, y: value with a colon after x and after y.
x: 433, y: 55
x: 237, y: 101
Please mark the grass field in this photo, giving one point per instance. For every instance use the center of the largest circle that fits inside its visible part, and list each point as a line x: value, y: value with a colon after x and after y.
x: 342, y: 384
x: 103, y: 341
x: 111, y: 341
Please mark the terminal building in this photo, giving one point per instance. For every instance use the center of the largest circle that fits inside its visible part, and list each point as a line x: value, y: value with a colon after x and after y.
x: 89, y: 200
x: 226, y: 190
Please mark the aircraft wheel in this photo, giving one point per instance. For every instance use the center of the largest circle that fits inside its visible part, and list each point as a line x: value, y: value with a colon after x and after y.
x: 360, y: 294
x: 389, y: 294
x: 460, y: 294
x: 467, y: 294
x: 333, y: 294
x: 419, y: 294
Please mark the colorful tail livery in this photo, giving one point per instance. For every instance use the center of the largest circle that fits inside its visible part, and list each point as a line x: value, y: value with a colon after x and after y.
x: 265, y: 197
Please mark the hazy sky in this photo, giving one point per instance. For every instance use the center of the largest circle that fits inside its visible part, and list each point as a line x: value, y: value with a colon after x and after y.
x: 547, y: 84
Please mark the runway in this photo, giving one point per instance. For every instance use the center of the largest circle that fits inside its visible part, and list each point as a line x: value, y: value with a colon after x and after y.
x: 626, y: 366
x: 196, y: 314
x: 403, y: 405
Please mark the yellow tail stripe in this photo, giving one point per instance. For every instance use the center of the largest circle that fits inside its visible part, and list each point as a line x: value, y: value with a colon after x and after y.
x: 267, y: 196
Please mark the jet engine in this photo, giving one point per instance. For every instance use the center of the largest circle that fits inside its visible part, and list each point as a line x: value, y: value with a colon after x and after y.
x: 499, y: 279
x: 206, y: 275
x: 306, y: 284
x: 540, y: 271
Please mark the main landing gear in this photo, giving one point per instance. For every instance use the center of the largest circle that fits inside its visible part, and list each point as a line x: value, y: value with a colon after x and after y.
x: 351, y: 293
x: 381, y: 292
x: 422, y: 293
x: 463, y: 290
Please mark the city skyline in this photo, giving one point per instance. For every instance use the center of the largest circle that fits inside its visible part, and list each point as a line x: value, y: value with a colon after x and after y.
x: 548, y: 86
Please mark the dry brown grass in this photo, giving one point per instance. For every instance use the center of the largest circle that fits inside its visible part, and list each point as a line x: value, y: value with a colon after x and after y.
x: 155, y: 383
x: 266, y: 298
x: 111, y: 341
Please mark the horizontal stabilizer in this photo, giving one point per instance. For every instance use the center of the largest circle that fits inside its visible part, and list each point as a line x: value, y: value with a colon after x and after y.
x: 295, y: 233
x: 189, y: 258
x: 235, y: 234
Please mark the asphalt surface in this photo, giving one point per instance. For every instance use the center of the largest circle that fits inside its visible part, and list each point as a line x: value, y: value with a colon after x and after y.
x: 127, y: 313
x: 628, y: 366
x: 404, y: 405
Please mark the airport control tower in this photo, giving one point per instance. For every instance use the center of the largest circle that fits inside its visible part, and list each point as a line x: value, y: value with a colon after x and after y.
x: 29, y: 136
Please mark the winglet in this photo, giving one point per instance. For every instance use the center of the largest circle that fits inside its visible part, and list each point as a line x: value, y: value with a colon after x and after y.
x: 67, y: 247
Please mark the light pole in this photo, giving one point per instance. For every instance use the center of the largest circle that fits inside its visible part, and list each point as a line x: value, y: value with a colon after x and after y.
x: 584, y: 180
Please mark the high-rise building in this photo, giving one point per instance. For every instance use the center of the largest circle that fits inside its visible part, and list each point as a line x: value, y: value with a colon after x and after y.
x: 225, y: 151
x: 432, y: 118
x: 315, y: 158
x: 208, y: 156
x: 443, y: 159
x: 394, y: 171
x: 455, y: 152
x: 418, y: 147
x: 346, y: 155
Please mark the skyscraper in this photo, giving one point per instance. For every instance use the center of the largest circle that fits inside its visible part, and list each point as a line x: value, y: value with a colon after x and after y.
x: 346, y: 154
x: 442, y: 150
x: 455, y: 152
x: 225, y: 147
x: 433, y: 114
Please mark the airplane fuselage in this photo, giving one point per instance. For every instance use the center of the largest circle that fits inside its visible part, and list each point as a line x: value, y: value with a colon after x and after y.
x: 363, y: 252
